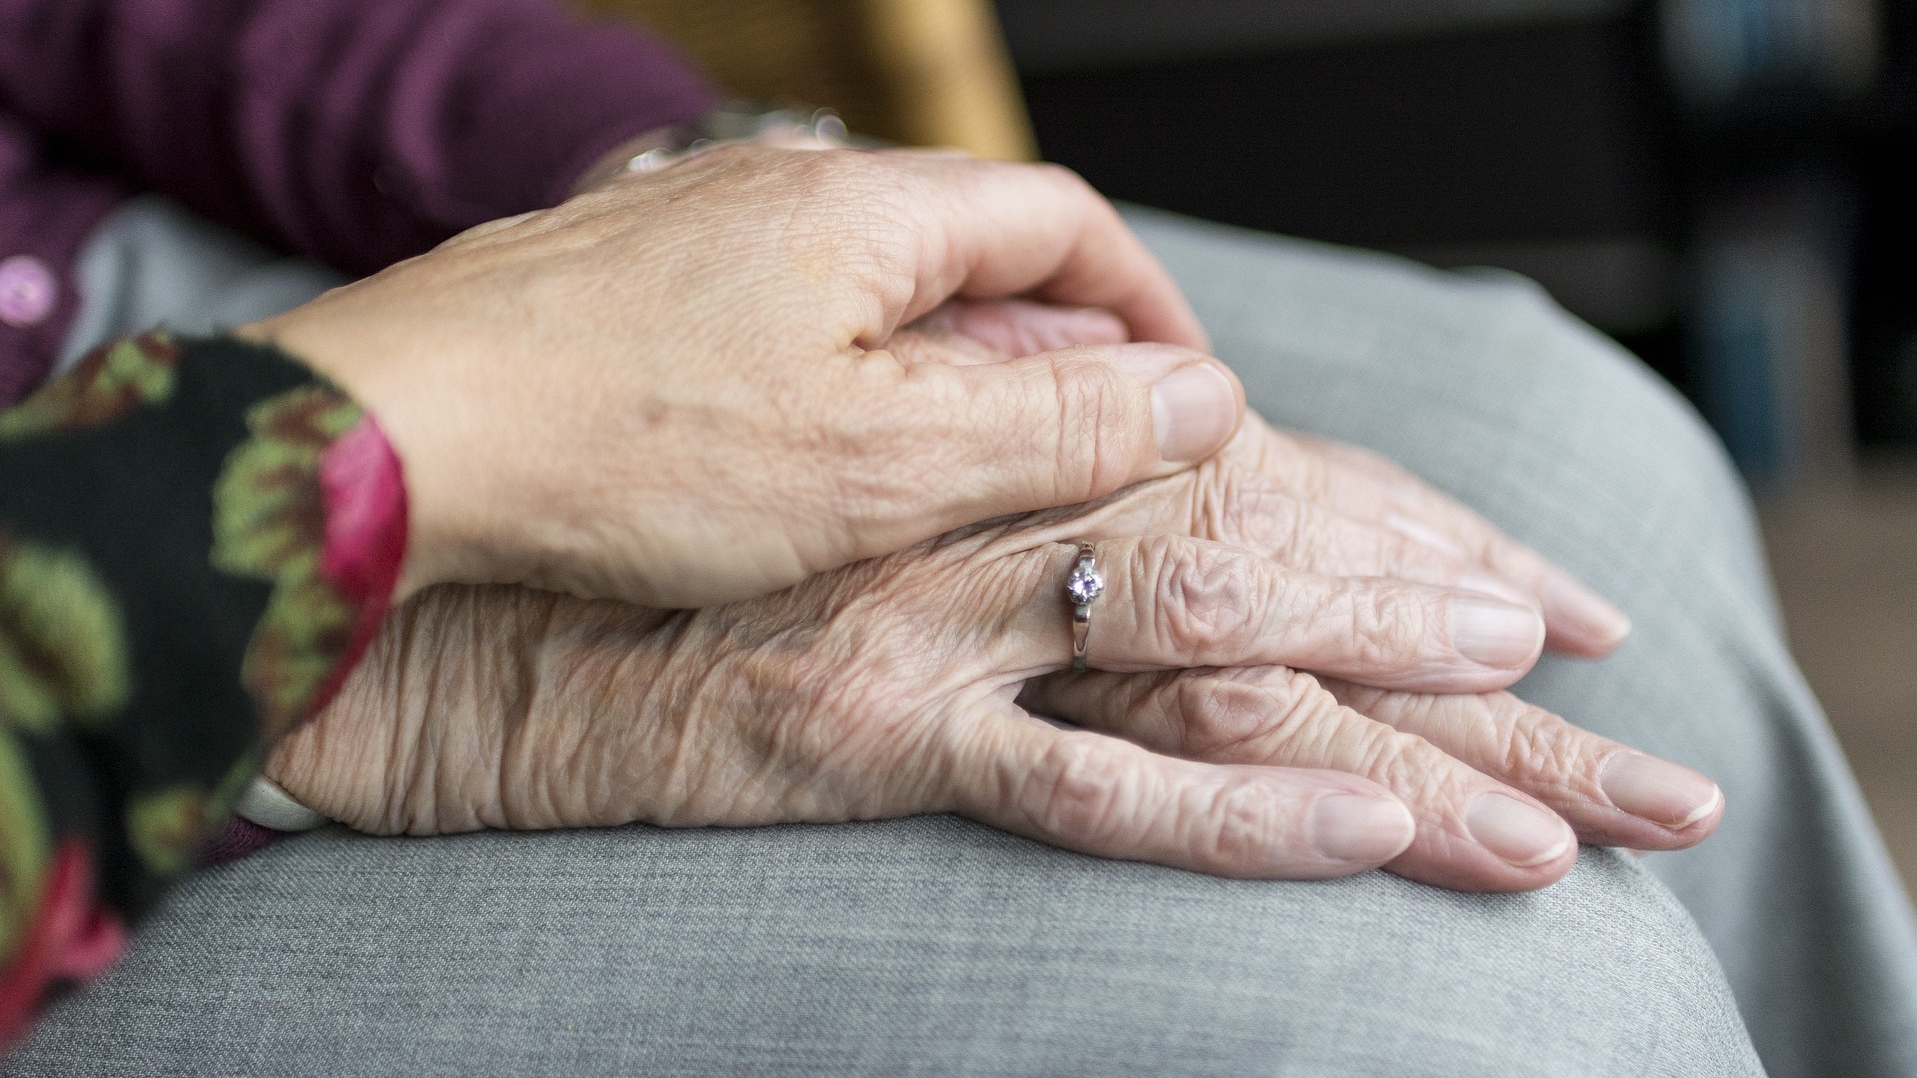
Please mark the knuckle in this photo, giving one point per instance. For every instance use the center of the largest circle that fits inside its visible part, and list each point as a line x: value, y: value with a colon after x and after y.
x: 1385, y: 628
x: 1247, y: 510
x: 1217, y: 716
x: 1098, y: 440
x: 1233, y: 826
x: 1543, y: 752
x: 1081, y: 788
x: 1408, y: 766
x: 1201, y: 599
x: 1247, y: 715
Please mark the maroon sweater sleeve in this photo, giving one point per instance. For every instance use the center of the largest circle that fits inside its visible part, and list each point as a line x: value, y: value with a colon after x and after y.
x: 356, y: 132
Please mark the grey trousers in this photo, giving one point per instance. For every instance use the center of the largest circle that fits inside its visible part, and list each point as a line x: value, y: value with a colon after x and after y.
x: 935, y: 946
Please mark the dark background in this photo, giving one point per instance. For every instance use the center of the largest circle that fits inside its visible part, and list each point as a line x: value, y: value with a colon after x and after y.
x: 1556, y: 139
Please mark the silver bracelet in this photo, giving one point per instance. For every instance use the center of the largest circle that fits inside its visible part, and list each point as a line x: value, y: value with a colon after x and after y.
x: 266, y: 804
x: 739, y: 122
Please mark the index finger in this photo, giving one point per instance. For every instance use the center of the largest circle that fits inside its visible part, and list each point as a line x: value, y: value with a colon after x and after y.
x: 992, y: 229
x: 1367, y: 487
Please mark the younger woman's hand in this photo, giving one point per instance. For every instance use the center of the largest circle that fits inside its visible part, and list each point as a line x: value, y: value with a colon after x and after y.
x: 676, y: 389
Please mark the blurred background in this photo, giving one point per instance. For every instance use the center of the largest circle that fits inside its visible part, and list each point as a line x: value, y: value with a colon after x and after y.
x: 1728, y: 187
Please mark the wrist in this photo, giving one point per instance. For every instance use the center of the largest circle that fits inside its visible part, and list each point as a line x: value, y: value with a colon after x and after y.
x: 732, y: 122
x: 615, y: 163
x: 390, y: 469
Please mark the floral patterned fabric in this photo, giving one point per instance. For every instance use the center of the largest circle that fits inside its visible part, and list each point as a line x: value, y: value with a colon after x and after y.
x: 198, y: 539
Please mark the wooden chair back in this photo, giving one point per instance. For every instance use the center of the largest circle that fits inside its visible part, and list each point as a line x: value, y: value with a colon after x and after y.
x: 921, y: 72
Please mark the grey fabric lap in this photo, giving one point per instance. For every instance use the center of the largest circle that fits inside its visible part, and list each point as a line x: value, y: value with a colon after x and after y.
x: 934, y: 946
x: 1489, y: 391
x: 930, y: 946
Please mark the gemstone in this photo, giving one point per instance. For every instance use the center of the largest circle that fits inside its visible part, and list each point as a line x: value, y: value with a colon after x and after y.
x: 1084, y: 585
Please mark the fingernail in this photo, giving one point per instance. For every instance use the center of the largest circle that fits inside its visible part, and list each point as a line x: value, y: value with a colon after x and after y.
x: 1495, y: 633
x: 1667, y: 794
x: 1517, y: 832
x: 1352, y: 827
x: 1193, y: 411
x: 1566, y: 600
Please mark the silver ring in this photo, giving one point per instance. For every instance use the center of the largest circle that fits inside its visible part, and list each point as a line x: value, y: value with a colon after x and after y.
x: 1083, y: 587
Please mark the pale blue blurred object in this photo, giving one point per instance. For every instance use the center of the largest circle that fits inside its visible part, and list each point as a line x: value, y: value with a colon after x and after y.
x: 1718, y: 50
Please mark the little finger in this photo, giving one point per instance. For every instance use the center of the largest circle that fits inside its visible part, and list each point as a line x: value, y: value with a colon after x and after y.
x: 1612, y: 794
x: 1474, y: 833
x: 1110, y: 798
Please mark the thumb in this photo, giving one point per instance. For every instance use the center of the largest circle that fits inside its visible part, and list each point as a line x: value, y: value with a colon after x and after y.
x: 1064, y: 427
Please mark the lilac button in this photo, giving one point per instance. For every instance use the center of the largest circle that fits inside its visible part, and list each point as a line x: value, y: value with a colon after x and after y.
x: 27, y: 291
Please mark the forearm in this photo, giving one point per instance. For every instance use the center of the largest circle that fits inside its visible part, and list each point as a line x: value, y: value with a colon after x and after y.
x: 196, y: 541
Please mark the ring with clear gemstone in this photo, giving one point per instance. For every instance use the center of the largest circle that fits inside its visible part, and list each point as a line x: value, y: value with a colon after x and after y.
x: 1084, y: 585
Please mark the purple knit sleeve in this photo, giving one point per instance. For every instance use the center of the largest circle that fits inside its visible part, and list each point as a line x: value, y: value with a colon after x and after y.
x: 46, y: 212
x: 357, y: 132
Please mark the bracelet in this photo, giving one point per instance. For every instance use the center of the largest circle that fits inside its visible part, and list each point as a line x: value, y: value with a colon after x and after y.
x: 740, y: 122
x: 266, y: 804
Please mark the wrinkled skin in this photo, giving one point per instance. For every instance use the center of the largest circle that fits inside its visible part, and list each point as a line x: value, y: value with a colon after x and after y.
x: 1331, y: 508
x: 902, y: 685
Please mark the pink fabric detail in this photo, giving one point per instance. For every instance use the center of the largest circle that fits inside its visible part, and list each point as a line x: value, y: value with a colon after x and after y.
x: 28, y: 291
x: 94, y: 947
x: 71, y: 938
x: 363, y: 491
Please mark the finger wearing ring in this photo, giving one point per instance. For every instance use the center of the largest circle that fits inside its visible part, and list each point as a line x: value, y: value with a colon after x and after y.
x: 1083, y: 587
x: 1182, y: 602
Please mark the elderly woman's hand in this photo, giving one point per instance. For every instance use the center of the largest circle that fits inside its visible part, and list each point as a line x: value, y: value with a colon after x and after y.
x: 888, y: 688
x: 1309, y: 503
x: 675, y: 389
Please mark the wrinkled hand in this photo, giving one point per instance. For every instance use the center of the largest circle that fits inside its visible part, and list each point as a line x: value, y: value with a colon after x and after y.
x: 676, y: 389
x: 1309, y: 503
x: 892, y: 687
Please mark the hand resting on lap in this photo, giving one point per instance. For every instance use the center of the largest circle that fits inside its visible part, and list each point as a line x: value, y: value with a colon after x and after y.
x: 895, y: 686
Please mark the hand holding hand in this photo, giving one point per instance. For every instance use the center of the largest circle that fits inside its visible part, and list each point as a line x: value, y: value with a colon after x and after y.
x: 677, y: 389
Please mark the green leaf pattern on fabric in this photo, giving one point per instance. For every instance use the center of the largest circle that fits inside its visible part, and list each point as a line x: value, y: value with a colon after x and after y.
x: 269, y: 523
x: 166, y: 827
x: 63, y: 645
x: 106, y: 385
x: 120, y: 766
x: 226, y: 796
x: 25, y: 846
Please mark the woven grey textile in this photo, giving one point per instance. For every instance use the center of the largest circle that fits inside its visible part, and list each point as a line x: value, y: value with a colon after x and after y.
x: 1484, y: 387
x: 934, y: 946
